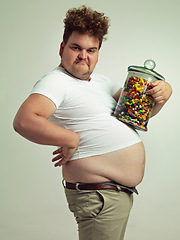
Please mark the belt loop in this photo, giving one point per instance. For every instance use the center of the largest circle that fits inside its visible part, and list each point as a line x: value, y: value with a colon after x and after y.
x: 77, y: 185
x: 63, y: 183
x: 118, y: 187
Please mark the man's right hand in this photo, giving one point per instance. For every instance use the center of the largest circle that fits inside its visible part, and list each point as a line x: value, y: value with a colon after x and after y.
x: 63, y: 155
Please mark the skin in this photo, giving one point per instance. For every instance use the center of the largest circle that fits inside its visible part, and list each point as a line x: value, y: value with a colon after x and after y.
x: 79, y: 57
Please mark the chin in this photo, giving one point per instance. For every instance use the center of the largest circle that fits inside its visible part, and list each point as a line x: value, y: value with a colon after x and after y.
x: 81, y: 74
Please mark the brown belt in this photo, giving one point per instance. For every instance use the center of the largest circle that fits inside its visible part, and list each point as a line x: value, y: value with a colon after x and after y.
x: 95, y: 186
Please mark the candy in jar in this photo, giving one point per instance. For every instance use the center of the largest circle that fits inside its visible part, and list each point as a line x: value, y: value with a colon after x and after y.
x: 134, y: 106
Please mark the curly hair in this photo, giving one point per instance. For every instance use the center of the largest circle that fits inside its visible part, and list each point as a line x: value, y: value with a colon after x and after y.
x: 86, y: 21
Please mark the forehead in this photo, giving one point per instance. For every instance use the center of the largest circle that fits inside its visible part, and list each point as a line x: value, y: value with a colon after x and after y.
x: 83, y: 40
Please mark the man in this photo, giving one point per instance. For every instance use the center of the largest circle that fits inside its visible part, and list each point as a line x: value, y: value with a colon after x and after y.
x: 103, y: 159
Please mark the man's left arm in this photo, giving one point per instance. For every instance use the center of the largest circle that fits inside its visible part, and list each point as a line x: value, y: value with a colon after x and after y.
x: 117, y: 94
x: 161, y: 92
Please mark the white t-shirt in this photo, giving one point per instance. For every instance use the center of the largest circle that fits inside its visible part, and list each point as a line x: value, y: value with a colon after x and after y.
x: 85, y: 108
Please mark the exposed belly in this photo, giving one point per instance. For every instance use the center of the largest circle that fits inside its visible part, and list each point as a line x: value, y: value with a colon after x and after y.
x: 125, y: 166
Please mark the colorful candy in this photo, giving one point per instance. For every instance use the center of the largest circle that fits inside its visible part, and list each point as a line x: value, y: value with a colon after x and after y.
x: 134, y: 106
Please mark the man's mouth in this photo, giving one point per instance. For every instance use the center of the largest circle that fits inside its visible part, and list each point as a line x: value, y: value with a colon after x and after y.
x: 81, y: 62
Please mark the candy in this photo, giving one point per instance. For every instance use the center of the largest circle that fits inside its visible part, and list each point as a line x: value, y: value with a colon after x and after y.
x: 135, y: 106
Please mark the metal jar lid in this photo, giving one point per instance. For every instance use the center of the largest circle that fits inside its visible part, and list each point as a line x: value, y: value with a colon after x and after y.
x: 149, y: 65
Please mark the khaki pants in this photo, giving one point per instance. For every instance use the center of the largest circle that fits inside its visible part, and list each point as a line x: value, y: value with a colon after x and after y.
x: 100, y: 214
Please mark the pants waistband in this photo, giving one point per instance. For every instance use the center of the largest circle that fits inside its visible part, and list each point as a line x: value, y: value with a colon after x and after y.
x: 100, y: 186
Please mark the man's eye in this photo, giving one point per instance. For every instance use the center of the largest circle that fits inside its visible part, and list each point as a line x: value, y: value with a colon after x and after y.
x: 75, y: 48
x: 91, y: 50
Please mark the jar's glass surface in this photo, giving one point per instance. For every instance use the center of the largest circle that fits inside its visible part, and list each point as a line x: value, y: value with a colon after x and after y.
x: 134, y: 106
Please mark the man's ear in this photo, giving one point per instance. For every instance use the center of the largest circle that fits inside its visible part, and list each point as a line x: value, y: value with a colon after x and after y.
x: 61, y: 49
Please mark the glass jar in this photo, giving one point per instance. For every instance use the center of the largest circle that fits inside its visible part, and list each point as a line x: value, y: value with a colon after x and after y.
x: 134, y: 106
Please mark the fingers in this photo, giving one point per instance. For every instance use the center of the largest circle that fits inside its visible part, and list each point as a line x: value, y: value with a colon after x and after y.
x: 160, y: 91
x: 156, y: 87
x: 59, y: 150
x: 63, y: 155
x: 61, y: 160
x: 60, y: 157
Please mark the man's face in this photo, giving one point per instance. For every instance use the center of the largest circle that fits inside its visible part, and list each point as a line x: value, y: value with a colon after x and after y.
x: 79, y: 55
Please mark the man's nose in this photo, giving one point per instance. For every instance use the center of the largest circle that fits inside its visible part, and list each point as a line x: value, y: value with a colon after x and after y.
x: 83, y: 54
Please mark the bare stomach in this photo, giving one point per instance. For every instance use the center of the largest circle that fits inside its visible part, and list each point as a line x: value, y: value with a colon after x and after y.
x: 125, y: 166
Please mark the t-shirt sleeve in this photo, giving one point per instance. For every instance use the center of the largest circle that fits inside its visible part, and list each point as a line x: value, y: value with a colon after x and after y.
x: 52, y: 87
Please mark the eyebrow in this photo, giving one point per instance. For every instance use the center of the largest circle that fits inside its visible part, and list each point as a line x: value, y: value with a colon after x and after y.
x: 77, y: 45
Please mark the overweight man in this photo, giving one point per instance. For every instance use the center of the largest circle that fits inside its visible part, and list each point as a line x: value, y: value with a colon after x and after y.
x: 71, y: 107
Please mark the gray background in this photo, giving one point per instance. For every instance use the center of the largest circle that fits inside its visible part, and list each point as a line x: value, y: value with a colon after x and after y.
x: 32, y: 200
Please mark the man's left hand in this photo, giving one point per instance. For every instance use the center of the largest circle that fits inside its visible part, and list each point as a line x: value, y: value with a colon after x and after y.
x: 160, y: 91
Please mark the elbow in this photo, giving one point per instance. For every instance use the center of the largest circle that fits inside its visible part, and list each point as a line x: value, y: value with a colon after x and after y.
x: 19, y: 125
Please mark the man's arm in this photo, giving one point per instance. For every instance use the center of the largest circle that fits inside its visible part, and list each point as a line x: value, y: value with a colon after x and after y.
x: 161, y: 92
x: 117, y: 94
x: 31, y: 121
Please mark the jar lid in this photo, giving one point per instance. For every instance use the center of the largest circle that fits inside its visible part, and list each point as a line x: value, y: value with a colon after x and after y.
x: 149, y: 65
